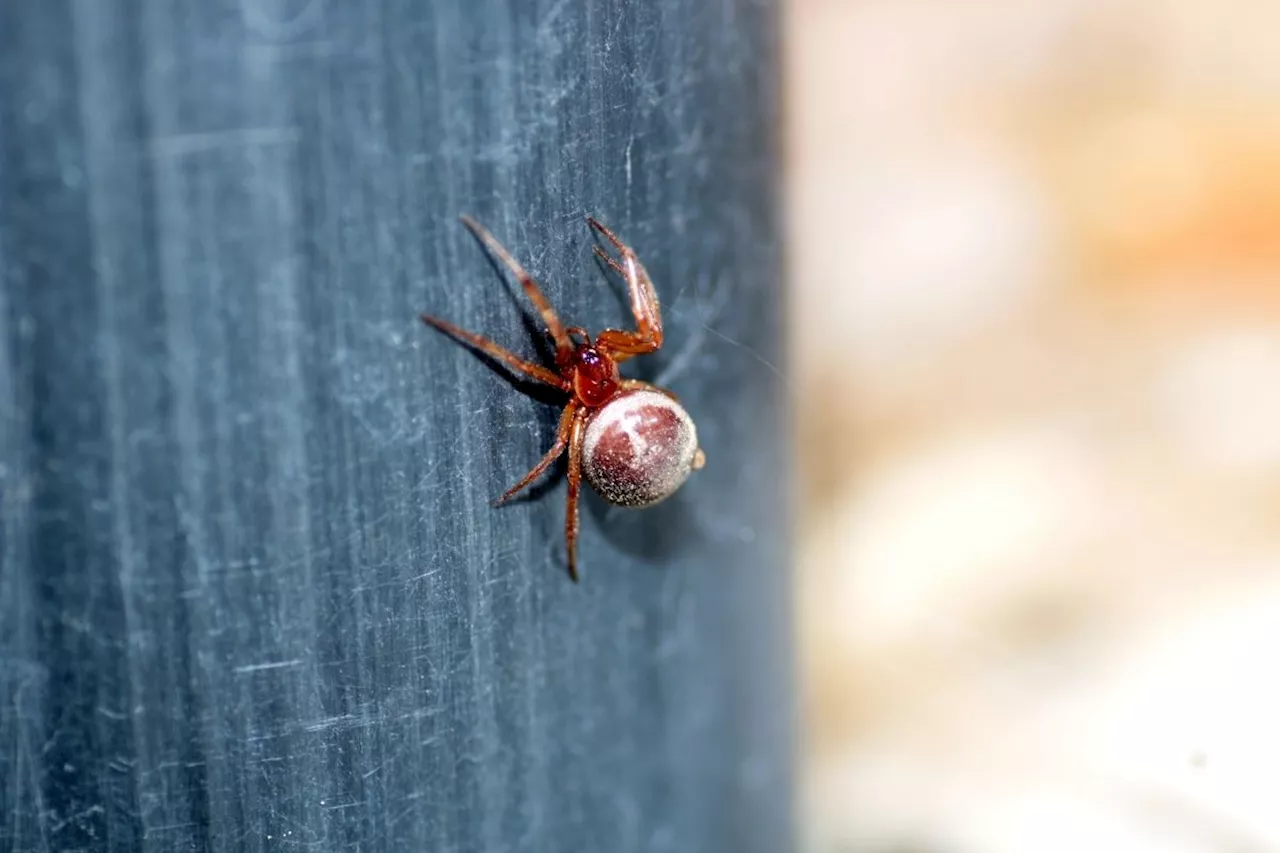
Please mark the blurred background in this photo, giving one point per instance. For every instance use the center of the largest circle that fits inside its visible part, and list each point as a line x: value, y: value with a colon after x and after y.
x: 1035, y: 250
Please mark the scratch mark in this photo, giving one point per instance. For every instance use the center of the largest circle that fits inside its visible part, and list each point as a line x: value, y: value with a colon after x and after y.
x: 257, y: 667
x: 337, y: 806
x: 630, y: 142
x: 342, y: 720
x: 92, y: 810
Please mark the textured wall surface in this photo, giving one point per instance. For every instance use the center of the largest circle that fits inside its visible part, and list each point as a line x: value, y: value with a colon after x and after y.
x: 252, y: 594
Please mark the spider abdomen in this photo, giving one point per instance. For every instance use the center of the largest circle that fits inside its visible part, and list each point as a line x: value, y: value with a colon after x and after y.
x: 639, y: 448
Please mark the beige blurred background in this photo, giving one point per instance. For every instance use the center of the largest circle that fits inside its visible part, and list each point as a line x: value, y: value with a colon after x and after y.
x: 1035, y: 252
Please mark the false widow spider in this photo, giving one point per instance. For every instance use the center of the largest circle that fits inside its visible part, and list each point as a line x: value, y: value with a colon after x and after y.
x: 633, y: 441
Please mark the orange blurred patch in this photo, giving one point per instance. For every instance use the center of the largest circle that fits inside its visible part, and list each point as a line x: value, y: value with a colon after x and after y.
x: 1179, y: 201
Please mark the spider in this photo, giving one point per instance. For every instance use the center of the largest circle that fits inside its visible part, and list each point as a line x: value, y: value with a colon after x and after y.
x: 633, y: 441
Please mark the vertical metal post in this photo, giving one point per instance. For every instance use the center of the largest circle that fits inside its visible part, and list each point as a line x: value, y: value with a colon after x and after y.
x: 252, y: 594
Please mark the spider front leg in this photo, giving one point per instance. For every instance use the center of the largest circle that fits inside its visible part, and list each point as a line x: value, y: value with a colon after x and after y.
x: 644, y: 302
x: 575, y: 486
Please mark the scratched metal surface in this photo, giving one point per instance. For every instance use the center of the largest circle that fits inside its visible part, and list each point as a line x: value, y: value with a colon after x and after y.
x: 252, y: 594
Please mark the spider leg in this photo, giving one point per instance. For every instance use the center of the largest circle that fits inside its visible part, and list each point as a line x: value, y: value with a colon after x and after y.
x: 599, y: 226
x: 608, y: 259
x: 575, y: 485
x: 489, y: 348
x: 562, y: 440
x: 640, y: 385
x: 563, y: 346
x: 644, y: 302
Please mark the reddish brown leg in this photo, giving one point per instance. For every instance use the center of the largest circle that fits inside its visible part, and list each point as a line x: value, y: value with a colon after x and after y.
x: 640, y: 385
x: 575, y: 484
x: 562, y: 439
x: 489, y: 348
x: 644, y: 302
x: 608, y: 259
x: 563, y: 346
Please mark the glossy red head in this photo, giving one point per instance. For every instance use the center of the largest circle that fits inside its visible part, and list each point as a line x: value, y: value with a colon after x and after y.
x: 595, y: 376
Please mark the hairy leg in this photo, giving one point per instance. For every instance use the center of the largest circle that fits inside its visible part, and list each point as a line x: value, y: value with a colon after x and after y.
x: 644, y: 301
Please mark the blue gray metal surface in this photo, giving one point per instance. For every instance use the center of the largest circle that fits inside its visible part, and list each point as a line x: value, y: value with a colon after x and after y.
x: 252, y: 594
